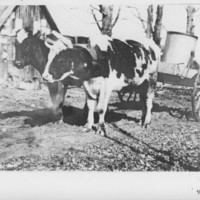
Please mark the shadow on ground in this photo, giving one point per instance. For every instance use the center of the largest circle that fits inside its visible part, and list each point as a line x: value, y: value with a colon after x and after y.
x: 71, y: 115
x: 166, y: 158
x: 174, y: 112
x: 76, y: 116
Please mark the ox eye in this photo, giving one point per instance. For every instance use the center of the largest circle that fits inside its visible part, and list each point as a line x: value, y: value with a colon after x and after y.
x: 27, y: 48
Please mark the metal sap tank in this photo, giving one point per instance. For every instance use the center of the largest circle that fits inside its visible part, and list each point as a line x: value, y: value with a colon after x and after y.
x: 178, y: 47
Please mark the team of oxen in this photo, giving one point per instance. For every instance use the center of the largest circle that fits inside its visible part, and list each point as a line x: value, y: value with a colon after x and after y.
x: 107, y: 65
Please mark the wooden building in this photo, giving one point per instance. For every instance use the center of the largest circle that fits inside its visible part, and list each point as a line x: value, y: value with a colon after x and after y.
x: 12, y: 18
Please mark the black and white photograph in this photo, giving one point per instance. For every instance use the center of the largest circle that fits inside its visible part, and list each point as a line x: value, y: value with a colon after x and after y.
x: 100, y: 87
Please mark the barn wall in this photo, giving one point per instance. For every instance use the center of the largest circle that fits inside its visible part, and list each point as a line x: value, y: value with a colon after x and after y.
x: 6, y: 48
x: 22, y: 16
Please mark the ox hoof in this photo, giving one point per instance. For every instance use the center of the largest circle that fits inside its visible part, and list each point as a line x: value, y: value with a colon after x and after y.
x: 59, y: 121
x: 58, y: 117
x: 86, y: 128
x: 101, y: 130
x: 146, y: 126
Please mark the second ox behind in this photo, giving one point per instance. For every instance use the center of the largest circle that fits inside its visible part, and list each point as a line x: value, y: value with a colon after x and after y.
x: 117, y: 64
x: 31, y: 50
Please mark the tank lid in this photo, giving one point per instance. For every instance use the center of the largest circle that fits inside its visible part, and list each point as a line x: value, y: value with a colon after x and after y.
x: 180, y: 33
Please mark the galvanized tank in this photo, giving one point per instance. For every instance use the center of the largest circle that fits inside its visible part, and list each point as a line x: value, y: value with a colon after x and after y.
x: 178, y: 47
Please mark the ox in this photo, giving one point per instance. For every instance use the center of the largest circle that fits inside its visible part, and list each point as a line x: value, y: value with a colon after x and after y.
x: 117, y: 64
x: 31, y: 50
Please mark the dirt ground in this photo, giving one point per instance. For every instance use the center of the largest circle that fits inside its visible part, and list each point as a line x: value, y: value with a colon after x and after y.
x: 30, y: 139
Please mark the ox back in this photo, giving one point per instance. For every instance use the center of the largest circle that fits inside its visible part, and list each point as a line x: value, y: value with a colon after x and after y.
x: 120, y: 64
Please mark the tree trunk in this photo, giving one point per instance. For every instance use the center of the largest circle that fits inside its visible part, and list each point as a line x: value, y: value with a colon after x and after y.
x: 149, y: 30
x: 190, y: 20
x: 158, y: 25
x: 107, y: 16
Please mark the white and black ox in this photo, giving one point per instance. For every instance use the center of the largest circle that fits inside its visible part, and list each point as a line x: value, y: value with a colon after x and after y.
x: 116, y: 65
x: 31, y: 50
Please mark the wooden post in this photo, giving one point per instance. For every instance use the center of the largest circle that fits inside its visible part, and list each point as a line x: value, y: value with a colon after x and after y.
x: 3, y: 59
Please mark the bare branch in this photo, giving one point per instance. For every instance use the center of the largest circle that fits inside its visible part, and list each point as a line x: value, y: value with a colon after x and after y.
x: 101, y: 10
x: 117, y: 17
x: 96, y: 20
x: 138, y: 15
x: 197, y: 9
x: 93, y: 8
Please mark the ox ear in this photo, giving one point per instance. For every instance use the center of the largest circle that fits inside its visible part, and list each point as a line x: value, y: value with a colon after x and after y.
x: 38, y: 34
x: 28, y: 30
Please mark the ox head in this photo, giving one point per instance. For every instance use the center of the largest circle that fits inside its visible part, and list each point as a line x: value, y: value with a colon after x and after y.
x: 66, y: 61
x: 57, y: 47
x: 29, y: 49
x: 74, y: 63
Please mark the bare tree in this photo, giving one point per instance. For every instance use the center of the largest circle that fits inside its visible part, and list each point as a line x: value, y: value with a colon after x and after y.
x: 138, y: 15
x: 190, y: 19
x: 149, y: 30
x: 152, y: 31
x: 107, y: 22
x: 158, y: 25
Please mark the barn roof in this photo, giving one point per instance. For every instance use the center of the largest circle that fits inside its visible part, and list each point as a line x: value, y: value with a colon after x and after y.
x: 64, y: 19
x: 6, y: 11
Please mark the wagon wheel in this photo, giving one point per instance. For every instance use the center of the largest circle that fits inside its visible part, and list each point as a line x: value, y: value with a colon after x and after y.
x: 196, y: 98
x: 125, y: 96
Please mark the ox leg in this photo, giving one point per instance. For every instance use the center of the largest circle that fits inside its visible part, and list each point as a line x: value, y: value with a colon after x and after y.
x: 90, y: 119
x: 85, y: 113
x: 60, y: 98
x: 102, y: 108
x: 53, y: 89
x: 101, y: 129
x: 146, y: 97
x: 147, y: 101
x: 57, y: 93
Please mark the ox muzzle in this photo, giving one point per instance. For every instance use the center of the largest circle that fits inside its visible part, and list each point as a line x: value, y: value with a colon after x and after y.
x: 48, y: 77
x: 18, y: 64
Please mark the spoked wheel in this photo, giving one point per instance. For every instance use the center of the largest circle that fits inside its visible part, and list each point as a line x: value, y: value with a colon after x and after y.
x: 196, y: 98
x: 126, y: 94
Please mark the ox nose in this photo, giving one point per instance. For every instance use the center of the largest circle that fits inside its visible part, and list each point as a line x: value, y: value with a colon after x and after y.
x: 47, y: 77
x: 17, y: 63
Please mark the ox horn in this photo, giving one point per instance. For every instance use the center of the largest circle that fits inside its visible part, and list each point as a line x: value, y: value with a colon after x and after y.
x: 65, y: 40
x: 50, y: 41
x: 48, y: 45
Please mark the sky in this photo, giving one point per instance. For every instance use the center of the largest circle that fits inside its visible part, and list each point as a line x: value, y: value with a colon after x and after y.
x: 77, y: 19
